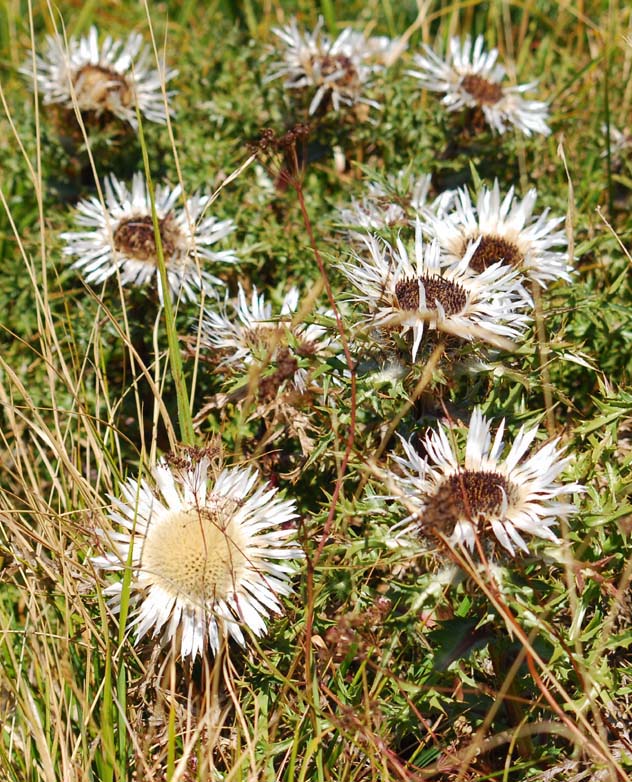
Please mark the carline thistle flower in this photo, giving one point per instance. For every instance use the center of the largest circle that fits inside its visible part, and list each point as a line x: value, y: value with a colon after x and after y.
x: 252, y: 335
x: 504, y: 229
x: 485, y: 492
x: 111, y: 78
x: 471, y: 78
x: 425, y: 295
x: 336, y: 71
x: 392, y: 202
x: 209, y: 555
x: 118, y: 237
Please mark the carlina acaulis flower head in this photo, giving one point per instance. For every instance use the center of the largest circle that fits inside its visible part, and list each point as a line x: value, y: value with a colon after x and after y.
x: 211, y: 553
x: 471, y: 78
x: 112, y: 77
x: 335, y: 72
x: 421, y: 294
x: 504, y: 229
x: 486, y: 493
x: 250, y: 334
x: 116, y: 236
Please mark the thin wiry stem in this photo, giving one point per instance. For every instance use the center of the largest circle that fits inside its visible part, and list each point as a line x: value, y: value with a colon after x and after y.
x: 295, y: 180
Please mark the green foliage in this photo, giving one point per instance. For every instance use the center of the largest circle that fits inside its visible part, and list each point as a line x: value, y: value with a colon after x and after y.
x: 399, y: 656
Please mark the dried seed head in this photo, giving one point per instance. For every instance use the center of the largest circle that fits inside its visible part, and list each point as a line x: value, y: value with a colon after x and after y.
x: 492, y: 249
x: 474, y: 495
x: 483, y: 91
x: 135, y: 238
x: 450, y: 295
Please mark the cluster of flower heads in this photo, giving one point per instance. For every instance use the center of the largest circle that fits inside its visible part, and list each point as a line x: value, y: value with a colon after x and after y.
x: 212, y: 549
x: 472, y: 263
x: 117, y: 77
x: 427, y: 294
x: 342, y: 70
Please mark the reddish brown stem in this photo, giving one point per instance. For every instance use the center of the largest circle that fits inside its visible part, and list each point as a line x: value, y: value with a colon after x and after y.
x: 312, y: 561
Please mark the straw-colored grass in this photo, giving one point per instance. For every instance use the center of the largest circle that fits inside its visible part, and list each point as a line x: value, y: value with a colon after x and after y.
x: 390, y: 663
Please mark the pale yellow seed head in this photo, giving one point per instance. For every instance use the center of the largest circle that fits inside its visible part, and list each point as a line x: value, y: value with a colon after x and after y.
x: 197, y: 554
x: 101, y: 89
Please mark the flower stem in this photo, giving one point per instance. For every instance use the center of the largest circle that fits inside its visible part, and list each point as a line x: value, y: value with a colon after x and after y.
x: 508, y: 690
